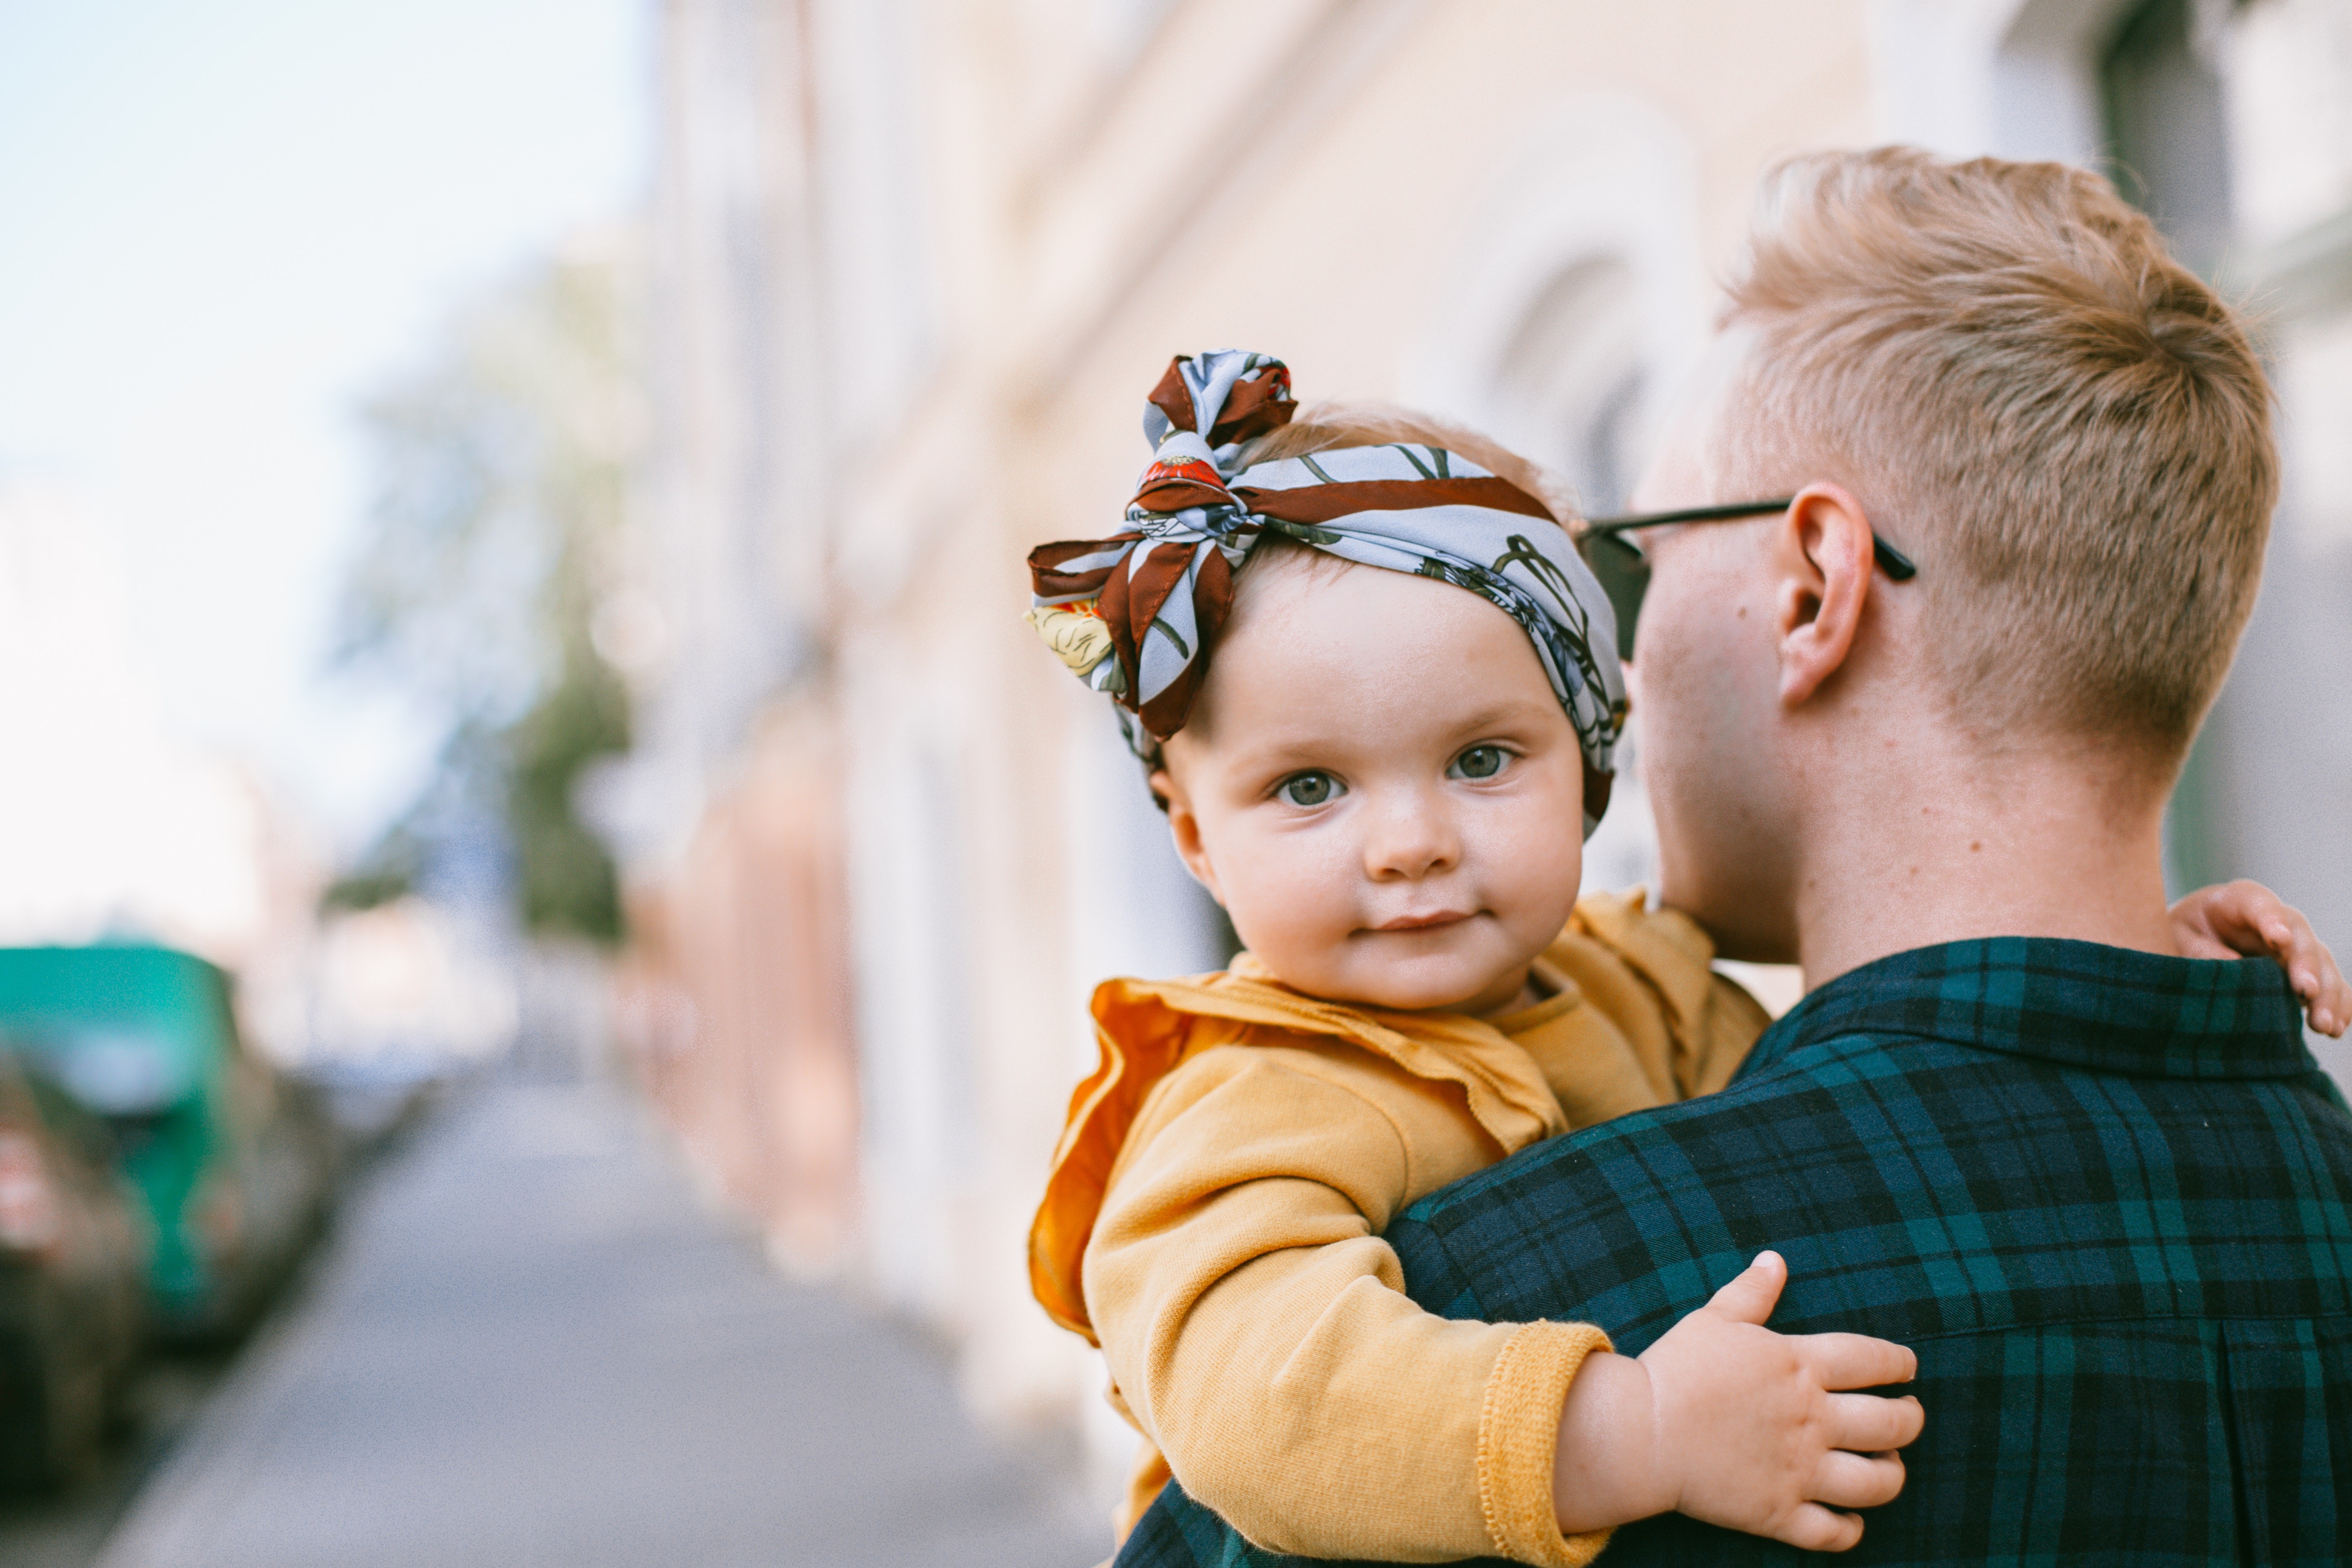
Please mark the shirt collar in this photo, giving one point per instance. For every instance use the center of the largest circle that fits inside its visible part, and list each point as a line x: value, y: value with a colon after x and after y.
x: 2110, y: 1009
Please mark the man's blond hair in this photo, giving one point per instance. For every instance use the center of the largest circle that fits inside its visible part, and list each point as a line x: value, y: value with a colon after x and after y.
x: 2067, y: 428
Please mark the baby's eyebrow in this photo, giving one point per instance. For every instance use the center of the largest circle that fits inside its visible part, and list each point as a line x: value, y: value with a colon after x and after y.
x: 1323, y: 751
x: 1333, y: 747
x: 1506, y: 715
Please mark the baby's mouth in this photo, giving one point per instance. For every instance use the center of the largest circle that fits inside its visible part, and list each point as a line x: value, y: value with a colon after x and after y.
x: 1425, y: 923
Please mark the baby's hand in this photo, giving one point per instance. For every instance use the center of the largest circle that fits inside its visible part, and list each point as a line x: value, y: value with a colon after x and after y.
x: 2247, y: 919
x: 1731, y: 1423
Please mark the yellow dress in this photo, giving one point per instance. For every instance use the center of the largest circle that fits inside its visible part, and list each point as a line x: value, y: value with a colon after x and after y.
x: 1214, y: 1222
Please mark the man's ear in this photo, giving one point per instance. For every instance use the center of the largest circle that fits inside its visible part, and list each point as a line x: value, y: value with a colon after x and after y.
x: 1185, y: 829
x: 1821, y: 556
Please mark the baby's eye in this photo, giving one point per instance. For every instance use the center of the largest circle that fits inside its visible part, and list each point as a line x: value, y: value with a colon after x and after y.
x: 1479, y: 762
x: 1309, y: 789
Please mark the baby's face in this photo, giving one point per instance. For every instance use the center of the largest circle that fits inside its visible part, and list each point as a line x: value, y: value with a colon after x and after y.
x: 1379, y: 787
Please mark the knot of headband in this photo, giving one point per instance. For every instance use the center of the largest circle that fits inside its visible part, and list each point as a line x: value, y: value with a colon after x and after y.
x: 1137, y: 615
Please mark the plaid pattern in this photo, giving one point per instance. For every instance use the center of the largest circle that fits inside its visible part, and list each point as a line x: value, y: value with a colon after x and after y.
x: 2105, y: 1196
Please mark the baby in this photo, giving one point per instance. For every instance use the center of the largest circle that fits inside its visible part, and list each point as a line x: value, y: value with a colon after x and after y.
x: 1413, y: 706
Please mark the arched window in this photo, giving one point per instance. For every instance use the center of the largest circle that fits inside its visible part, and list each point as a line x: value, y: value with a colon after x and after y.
x: 1575, y: 292
x: 1572, y: 386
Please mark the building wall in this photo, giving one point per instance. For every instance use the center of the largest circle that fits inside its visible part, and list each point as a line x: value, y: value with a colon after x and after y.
x: 923, y: 260
x: 920, y: 262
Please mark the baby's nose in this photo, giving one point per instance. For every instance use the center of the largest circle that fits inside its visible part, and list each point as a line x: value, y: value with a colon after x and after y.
x: 1409, y: 838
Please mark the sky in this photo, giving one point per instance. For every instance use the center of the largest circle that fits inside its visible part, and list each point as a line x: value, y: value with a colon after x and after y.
x: 220, y: 225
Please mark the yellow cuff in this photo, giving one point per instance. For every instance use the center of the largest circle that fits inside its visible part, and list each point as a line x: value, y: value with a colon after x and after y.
x: 1519, y: 1436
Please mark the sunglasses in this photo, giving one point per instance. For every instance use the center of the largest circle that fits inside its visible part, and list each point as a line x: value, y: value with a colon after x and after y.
x: 1624, y: 571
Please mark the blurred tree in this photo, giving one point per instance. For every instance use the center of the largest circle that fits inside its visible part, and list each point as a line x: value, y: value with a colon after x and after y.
x: 502, y: 472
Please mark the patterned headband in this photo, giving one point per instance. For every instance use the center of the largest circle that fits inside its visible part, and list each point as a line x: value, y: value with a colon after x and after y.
x: 1135, y: 614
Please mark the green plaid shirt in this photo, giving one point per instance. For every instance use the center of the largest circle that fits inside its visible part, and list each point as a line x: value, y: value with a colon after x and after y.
x: 2105, y: 1196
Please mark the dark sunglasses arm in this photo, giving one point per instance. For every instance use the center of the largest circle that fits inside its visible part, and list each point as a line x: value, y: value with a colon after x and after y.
x: 1898, y: 567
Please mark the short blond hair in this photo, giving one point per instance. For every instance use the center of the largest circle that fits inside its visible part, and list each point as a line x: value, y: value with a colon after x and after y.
x: 2067, y: 428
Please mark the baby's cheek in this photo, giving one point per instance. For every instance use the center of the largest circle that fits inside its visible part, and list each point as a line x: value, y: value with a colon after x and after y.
x: 1533, y: 867
x: 1293, y: 919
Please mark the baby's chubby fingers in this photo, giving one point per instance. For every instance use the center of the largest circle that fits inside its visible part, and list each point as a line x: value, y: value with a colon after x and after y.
x: 2319, y: 984
x: 2198, y: 942
x: 1754, y: 1292
x: 1858, y: 1480
x: 2247, y: 919
x: 2289, y: 938
x: 1813, y: 1528
x: 1855, y: 1360
x: 1866, y: 1424
x: 1744, y: 1424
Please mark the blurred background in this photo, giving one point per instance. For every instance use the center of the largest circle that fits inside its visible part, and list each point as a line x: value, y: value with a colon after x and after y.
x: 511, y: 521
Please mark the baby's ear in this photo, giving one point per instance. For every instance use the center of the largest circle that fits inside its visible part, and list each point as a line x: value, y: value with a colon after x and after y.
x: 1185, y: 828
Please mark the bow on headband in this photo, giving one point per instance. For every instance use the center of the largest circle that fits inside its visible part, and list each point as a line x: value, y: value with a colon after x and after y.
x: 1138, y: 613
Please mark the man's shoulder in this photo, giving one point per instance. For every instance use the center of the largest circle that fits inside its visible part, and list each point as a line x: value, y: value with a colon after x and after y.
x: 1916, y: 1186
x: 1602, y: 1160
x: 1642, y: 1212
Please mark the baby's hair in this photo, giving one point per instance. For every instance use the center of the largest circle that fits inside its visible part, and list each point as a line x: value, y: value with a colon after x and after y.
x: 1320, y: 426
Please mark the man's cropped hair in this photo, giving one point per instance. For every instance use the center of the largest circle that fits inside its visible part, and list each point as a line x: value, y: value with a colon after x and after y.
x: 2067, y: 428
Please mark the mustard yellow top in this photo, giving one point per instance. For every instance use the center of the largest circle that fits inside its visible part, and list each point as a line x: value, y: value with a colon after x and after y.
x: 1213, y: 1216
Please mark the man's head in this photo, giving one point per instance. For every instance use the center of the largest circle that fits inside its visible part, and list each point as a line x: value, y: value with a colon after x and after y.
x: 1999, y: 367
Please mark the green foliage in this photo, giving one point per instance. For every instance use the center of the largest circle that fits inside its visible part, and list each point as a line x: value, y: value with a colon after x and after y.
x: 389, y: 872
x: 501, y: 485
x: 565, y: 880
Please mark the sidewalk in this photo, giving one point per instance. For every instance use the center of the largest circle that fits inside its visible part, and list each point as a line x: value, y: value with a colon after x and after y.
x: 527, y: 1344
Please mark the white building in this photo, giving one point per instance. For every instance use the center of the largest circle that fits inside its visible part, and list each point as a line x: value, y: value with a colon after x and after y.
x: 919, y: 261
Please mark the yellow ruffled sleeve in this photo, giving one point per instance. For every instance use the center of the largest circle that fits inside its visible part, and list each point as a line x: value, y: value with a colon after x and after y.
x: 1257, y: 1331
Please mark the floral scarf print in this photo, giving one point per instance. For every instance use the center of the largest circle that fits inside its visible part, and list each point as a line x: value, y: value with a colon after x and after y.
x: 1137, y: 615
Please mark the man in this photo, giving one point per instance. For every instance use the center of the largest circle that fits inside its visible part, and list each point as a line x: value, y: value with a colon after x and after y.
x: 2103, y: 1190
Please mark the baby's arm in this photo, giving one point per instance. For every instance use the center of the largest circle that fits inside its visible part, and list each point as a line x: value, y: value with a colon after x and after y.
x: 2246, y: 919
x: 1729, y: 1422
x: 1255, y: 1324
x: 1256, y: 1328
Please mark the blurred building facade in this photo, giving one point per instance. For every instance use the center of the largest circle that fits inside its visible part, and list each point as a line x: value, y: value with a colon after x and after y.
x: 918, y: 262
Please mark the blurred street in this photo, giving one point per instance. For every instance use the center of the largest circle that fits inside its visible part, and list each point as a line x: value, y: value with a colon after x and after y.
x: 527, y: 1343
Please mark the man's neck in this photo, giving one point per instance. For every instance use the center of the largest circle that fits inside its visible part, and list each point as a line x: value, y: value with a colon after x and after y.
x: 1937, y: 843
